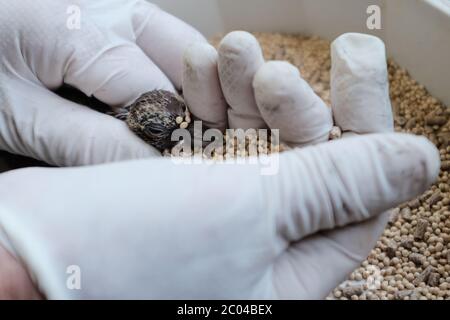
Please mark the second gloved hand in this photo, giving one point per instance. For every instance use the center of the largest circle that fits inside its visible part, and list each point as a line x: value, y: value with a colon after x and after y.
x: 153, y: 229
x: 114, y: 50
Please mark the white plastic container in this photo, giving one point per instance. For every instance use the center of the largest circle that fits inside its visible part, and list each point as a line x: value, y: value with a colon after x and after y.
x: 416, y: 32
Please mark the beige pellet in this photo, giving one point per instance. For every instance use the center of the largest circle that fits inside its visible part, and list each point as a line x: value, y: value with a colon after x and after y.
x: 184, y: 125
x: 179, y: 120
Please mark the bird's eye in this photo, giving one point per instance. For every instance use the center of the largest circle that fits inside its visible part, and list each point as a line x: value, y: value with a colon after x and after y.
x: 154, y: 130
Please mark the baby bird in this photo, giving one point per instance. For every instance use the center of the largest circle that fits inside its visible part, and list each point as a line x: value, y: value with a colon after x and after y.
x: 155, y: 115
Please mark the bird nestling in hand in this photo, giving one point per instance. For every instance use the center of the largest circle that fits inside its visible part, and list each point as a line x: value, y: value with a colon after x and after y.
x: 155, y: 115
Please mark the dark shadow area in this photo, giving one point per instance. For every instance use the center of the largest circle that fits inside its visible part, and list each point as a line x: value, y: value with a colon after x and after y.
x: 11, y: 162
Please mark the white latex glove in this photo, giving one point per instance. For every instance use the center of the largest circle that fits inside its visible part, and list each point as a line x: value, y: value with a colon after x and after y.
x: 142, y: 230
x: 235, y: 85
x: 122, y: 49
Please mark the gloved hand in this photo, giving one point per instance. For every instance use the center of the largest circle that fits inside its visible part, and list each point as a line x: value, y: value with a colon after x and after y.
x: 236, y: 86
x: 122, y: 49
x: 155, y: 229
